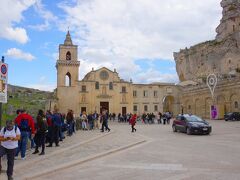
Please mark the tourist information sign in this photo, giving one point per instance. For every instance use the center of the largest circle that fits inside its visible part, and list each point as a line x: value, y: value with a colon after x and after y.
x: 212, y: 83
x: 3, y: 82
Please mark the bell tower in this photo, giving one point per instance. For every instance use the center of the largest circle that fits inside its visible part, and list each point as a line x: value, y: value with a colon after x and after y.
x: 67, y: 65
x: 67, y: 76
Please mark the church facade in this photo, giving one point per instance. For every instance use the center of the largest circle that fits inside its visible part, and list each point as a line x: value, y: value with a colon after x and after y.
x: 104, y: 89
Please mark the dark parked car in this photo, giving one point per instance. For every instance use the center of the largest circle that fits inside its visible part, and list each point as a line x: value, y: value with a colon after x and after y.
x: 232, y: 116
x: 191, y: 124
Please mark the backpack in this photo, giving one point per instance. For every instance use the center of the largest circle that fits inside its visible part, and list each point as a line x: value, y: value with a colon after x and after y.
x: 24, y: 126
x: 5, y: 129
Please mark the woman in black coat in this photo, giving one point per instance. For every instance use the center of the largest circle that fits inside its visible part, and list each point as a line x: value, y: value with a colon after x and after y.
x: 40, y: 136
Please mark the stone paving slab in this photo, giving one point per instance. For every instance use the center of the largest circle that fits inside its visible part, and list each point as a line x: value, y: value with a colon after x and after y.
x: 165, y: 156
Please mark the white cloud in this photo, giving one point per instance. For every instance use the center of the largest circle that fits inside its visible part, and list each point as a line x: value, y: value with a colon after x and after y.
x: 19, y: 54
x: 119, y: 32
x: 11, y: 14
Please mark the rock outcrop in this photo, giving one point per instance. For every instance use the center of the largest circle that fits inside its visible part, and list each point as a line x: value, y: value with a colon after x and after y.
x: 220, y: 56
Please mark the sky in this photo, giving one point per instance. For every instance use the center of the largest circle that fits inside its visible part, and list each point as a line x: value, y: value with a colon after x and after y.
x: 135, y: 37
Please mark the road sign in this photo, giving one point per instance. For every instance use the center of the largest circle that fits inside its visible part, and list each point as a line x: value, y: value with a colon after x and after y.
x: 3, y: 82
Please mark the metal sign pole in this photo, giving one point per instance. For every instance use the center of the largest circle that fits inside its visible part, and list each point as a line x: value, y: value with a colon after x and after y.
x: 3, y: 86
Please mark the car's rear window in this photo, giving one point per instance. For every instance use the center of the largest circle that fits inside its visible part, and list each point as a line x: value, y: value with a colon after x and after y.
x: 193, y: 118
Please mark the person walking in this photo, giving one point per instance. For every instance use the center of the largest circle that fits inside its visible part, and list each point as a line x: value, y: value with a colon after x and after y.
x: 26, y: 125
x: 9, y: 137
x: 40, y: 136
x: 132, y: 121
x: 104, y: 118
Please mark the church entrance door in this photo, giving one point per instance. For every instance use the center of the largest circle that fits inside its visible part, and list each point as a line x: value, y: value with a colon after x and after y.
x: 104, y: 106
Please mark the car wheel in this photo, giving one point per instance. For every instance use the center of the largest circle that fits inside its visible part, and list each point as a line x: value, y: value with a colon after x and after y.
x: 233, y: 119
x: 188, y: 131
x: 174, y: 128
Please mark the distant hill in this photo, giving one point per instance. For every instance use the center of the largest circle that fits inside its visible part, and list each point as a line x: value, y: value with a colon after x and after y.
x: 25, y: 98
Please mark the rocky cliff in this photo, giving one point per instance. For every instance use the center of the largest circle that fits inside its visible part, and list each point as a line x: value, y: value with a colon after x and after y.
x: 220, y: 56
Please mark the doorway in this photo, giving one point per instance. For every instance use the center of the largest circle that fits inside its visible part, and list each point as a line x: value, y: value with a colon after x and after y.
x: 104, y: 106
x: 124, y: 110
x: 83, y: 109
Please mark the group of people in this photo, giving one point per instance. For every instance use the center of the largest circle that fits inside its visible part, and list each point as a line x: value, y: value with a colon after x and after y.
x: 50, y: 127
x: 45, y: 128
x: 147, y: 118
x: 94, y: 121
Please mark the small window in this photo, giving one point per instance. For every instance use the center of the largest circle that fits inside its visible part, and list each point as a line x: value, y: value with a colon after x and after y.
x: 111, y: 86
x: 68, y: 56
x: 84, y: 88
x: 145, y: 93
x: 123, y: 89
x: 236, y: 105
x: 155, y: 93
x: 68, y: 79
x: 134, y: 108
x: 134, y: 93
x: 97, y: 85
x: 189, y: 106
x: 145, y: 108
x: 156, y: 108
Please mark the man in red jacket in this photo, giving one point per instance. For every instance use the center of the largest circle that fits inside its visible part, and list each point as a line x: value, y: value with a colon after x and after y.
x: 25, y: 123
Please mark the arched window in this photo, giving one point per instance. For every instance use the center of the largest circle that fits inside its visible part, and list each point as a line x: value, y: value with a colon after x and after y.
x: 236, y: 105
x: 97, y: 85
x: 68, y: 56
x: 111, y: 86
x: 68, y: 79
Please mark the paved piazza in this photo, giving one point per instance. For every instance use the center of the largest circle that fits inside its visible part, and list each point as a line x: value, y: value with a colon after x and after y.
x: 153, y: 152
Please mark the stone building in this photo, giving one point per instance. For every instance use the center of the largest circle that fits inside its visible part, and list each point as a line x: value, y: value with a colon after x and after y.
x: 104, y: 89
x: 221, y: 57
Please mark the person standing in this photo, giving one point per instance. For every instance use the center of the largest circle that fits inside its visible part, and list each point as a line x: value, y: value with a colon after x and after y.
x: 40, y: 136
x: 132, y: 121
x: 84, y: 121
x: 26, y: 125
x: 50, y: 126
x: 56, y: 125
x: 9, y: 137
x: 70, y: 120
x: 90, y: 121
x: 95, y: 119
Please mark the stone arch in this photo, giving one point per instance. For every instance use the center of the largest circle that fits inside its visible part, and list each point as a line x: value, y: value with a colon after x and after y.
x: 188, y: 107
x: 234, y: 103
x: 168, y: 103
x: 221, y: 101
x: 208, y: 103
x: 68, y: 80
x: 198, y: 110
x: 68, y: 56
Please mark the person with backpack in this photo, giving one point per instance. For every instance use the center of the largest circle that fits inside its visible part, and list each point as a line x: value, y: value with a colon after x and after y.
x: 25, y: 123
x: 9, y: 137
x: 40, y: 136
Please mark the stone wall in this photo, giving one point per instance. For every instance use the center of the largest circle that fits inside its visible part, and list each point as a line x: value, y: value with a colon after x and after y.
x: 220, y: 56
